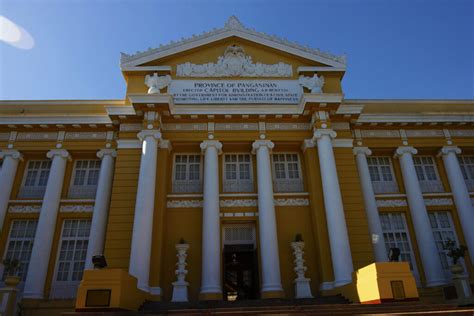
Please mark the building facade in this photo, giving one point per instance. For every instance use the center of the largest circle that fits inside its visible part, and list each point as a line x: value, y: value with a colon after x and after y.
x: 235, y: 142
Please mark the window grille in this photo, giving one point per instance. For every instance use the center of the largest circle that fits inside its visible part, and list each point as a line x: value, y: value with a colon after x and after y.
x: 287, y: 173
x: 85, y: 179
x: 396, y: 235
x: 238, y: 173
x: 443, y: 229
x: 467, y: 167
x: 427, y: 174
x: 239, y: 235
x: 35, y: 179
x: 71, y: 257
x: 187, y: 174
x: 20, y: 244
x: 381, y: 174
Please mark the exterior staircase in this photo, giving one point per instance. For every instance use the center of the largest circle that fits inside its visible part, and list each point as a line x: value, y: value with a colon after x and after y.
x: 333, y: 305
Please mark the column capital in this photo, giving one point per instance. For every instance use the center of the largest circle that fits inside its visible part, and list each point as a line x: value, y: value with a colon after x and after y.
x: 318, y: 133
x: 165, y: 144
x: 104, y: 152
x: 405, y: 150
x: 62, y: 153
x: 450, y: 149
x: 156, y: 134
x: 362, y: 150
x: 262, y: 143
x: 211, y: 143
x: 14, y: 154
x: 308, y: 143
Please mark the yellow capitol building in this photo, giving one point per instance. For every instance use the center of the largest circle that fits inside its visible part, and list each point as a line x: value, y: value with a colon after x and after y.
x: 234, y: 169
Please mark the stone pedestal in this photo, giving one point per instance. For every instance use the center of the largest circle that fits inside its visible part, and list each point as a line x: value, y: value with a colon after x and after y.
x: 180, y: 287
x: 462, y: 285
x: 302, y: 286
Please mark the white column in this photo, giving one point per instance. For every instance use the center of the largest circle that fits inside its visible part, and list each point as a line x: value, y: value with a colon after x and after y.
x: 40, y: 254
x: 7, y: 178
x: 375, y: 227
x: 211, y: 246
x: 144, y: 209
x: 101, y: 206
x: 460, y: 194
x: 271, y: 279
x: 424, y: 235
x: 337, y: 229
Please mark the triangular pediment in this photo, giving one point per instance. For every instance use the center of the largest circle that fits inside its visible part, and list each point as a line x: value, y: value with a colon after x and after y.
x: 233, y: 31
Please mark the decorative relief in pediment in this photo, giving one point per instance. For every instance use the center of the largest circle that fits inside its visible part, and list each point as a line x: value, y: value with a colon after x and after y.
x: 234, y: 63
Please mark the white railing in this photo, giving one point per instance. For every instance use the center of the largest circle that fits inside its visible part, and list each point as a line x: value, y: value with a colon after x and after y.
x: 187, y: 186
x: 385, y: 187
x: 32, y: 192
x: 470, y: 185
x: 288, y: 185
x: 82, y: 191
x: 238, y: 186
x: 431, y: 186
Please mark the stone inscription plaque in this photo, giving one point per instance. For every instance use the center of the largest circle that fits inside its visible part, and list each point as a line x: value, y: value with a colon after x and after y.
x: 235, y: 91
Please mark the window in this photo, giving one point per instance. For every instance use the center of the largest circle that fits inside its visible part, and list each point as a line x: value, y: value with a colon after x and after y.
x: 467, y: 168
x: 187, y: 173
x: 427, y: 174
x: 71, y: 257
x: 35, y: 179
x: 237, y: 173
x: 20, y: 244
x: 286, y: 173
x: 443, y: 229
x: 381, y: 174
x: 396, y: 235
x: 85, y: 178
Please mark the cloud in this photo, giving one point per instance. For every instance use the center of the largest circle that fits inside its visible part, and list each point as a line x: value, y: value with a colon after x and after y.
x: 15, y: 35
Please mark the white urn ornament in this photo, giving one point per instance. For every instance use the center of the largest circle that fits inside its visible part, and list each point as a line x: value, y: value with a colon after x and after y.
x: 180, y: 286
x: 302, y: 286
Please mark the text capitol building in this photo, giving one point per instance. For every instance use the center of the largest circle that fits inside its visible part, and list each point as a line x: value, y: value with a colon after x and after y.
x: 232, y: 143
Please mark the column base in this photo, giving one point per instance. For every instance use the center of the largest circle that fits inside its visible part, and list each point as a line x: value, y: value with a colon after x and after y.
x: 338, y: 283
x: 155, y: 294
x: 210, y: 296
x: 326, y: 286
x: 437, y: 282
x: 272, y: 294
x: 180, y: 291
x: 303, y: 288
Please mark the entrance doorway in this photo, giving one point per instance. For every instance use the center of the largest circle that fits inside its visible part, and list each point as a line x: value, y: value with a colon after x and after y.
x: 240, y: 263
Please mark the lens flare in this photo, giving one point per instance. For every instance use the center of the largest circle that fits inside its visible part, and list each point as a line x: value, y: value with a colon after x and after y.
x: 15, y: 35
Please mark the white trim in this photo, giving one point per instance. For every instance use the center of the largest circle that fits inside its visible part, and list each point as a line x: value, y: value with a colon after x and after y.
x: 147, y: 68
x: 60, y: 119
x: 319, y: 69
x: 343, y: 142
x: 155, y: 290
x: 300, y: 173
x: 201, y: 169
x: 128, y: 143
x: 251, y: 179
x: 120, y: 110
x: 412, y: 118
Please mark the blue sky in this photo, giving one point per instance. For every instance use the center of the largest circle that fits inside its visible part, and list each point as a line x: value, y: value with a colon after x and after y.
x: 396, y: 49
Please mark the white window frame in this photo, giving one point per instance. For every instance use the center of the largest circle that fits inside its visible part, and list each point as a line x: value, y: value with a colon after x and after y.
x: 428, y: 186
x: 22, y: 239
x: 399, y: 231
x: 176, y: 184
x: 84, y: 191
x: 34, y: 191
x: 467, y: 161
x: 443, y: 231
x: 67, y: 289
x: 382, y: 186
x: 237, y: 185
x: 287, y: 185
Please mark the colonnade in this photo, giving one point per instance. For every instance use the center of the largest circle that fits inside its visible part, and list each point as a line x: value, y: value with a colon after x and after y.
x: 211, y: 273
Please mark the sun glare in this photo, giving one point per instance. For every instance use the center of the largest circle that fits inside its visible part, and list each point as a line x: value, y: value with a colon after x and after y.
x: 15, y: 35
